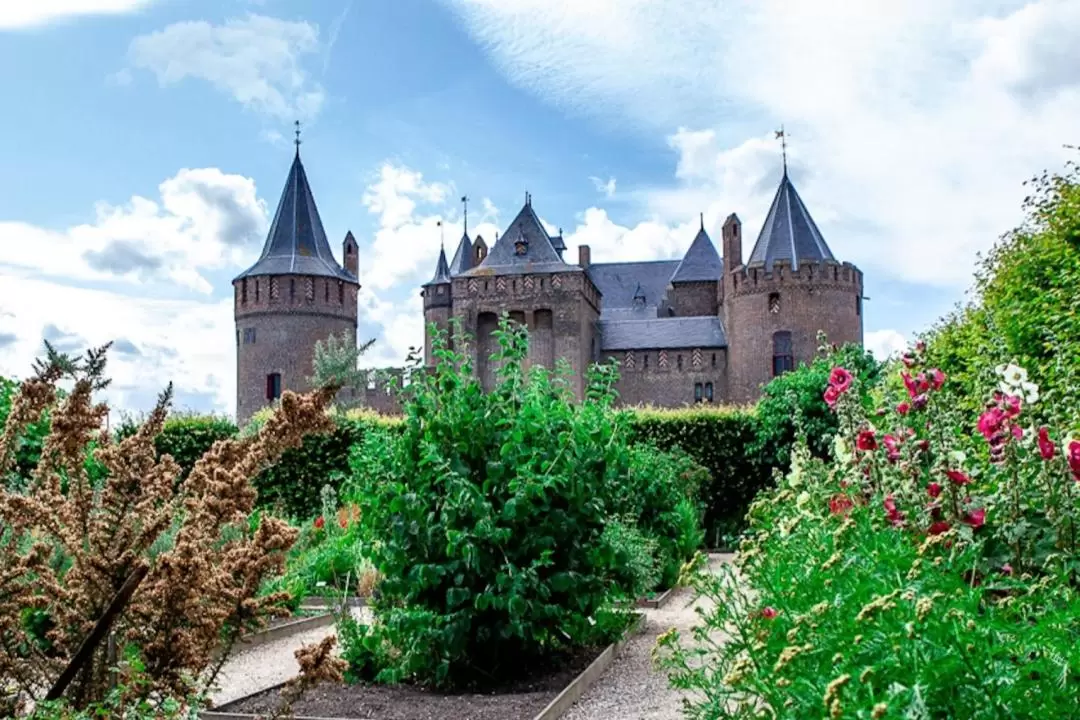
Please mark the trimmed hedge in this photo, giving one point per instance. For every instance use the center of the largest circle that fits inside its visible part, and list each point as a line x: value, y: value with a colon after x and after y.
x: 722, y: 440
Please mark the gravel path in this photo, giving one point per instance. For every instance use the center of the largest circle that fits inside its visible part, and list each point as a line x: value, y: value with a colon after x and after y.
x: 632, y: 689
x: 266, y: 665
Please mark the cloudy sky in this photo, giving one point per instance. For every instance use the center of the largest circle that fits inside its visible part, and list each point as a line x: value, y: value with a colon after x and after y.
x: 147, y: 141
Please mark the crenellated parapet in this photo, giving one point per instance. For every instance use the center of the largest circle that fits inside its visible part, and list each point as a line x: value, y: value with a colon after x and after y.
x: 525, y: 288
x: 295, y: 294
x: 809, y: 274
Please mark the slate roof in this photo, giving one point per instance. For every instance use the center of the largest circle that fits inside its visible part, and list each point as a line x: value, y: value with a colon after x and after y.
x: 619, y: 282
x: 296, y: 243
x: 442, y: 270
x: 666, y: 333
x: 701, y: 261
x: 540, y: 256
x: 789, y: 233
x: 462, y: 256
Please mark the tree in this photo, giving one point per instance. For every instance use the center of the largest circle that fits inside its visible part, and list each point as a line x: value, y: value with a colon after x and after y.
x: 337, y: 362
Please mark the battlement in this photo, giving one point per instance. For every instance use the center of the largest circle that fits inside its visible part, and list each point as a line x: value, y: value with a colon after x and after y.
x: 756, y: 278
x: 294, y: 294
x: 436, y: 296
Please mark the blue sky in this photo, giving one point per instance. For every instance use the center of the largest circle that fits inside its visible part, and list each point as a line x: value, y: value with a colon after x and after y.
x: 147, y: 142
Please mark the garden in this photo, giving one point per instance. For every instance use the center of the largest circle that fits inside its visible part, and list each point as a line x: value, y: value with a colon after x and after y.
x: 904, y: 533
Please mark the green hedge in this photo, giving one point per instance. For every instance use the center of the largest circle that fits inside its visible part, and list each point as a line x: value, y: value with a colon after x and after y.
x: 723, y: 441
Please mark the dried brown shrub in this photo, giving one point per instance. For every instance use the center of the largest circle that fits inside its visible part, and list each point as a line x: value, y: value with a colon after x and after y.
x: 67, y: 547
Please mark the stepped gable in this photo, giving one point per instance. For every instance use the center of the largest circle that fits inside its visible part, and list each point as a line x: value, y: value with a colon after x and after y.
x: 789, y: 233
x: 296, y: 243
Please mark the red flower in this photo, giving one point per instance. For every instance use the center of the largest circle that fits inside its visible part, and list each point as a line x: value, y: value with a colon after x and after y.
x: 343, y: 522
x: 866, y: 441
x: 903, y: 408
x: 1073, y: 456
x: 840, y: 379
x: 769, y: 612
x: 991, y: 421
x: 975, y: 518
x: 909, y: 383
x: 840, y: 504
x: 936, y: 378
x: 1046, y: 446
x: 1012, y: 406
x: 958, y: 477
x: 934, y: 489
x: 831, y: 395
x: 320, y: 522
x: 895, y: 516
x: 939, y: 527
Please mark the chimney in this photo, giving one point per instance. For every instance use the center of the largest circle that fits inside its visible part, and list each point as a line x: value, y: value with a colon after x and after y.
x: 584, y: 257
x: 350, y: 254
x: 732, y: 238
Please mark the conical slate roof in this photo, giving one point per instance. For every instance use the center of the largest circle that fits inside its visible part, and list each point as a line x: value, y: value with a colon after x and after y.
x: 539, y: 254
x: 789, y: 233
x: 442, y: 270
x: 296, y: 243
x: 701, y: 261
x: 462, y: 256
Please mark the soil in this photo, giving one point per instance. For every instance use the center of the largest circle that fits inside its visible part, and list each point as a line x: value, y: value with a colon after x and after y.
x: 522, y: 699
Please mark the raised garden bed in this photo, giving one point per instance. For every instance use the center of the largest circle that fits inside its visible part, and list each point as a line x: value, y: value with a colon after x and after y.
x: 658, y: 599
x: 284, y: 627
x: 546, y: 696
x: 317, y: 601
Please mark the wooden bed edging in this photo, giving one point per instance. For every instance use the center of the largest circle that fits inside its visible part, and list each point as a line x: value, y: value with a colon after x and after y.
x: 554, y: 710
x: 659, y: 601
x: 284, y: 630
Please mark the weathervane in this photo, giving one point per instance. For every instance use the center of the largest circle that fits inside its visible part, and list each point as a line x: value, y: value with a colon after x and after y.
x: 297, y: 141
x: 782, y: 136
x: 465, y: 203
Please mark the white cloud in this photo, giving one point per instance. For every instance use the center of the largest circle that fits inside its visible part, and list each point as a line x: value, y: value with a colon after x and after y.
x: 604, y: 186
x: 257, y: 60
x: 19, y: 14
x: 205, y: 219
x: 912, y: 124
x: 885, y: 343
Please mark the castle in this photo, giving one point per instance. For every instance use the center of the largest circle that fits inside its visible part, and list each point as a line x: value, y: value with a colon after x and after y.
x: 704, y: 328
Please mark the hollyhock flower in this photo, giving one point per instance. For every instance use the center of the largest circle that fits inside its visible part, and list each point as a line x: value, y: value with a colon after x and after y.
x: 1031, y: 392
x: 840, y: 504
x: 910, y: 384
x: 903, y: 408
x: 1012, y: 406
x: 1017, y: 431
x: 895, y: 516
x: 938, y: 527
x: 343, y: 522
x: 908, y: 359
x: 919, y: 401
x: 923, y: 445
x: 1072, y: 454
x: 1012, y: 374
x: 975, y: 518
x: 936, y: 378
x: 769, y: 612
x: 991, y: 421
x: 831, y: 395
x: 934, y: 489
x: 840, y: 379
x: 1006, y: 569
x: 320, y: 522
x: 958, y: 477
x: 866, y: 441
x: 892, y: 448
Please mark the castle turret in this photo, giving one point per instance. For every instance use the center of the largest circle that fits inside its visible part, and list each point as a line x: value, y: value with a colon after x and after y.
x: 294, y: 295
x: 791, y: 288
x: 350, y: 251
x: 437, y: 303
x: 694, y: 282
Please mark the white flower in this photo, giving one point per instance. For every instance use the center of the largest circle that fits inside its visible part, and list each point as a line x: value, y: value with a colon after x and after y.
x: 1031, y: 392
x: 1013, y: 375
x: 804, y: 497
x: 957, y: 457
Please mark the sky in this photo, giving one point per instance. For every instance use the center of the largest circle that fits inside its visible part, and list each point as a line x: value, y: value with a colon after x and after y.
x: 147, y: 143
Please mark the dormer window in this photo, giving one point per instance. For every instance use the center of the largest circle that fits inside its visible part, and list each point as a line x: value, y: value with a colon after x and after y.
x: 521, y: 245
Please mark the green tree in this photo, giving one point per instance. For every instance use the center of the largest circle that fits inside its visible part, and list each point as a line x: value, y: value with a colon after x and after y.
x: 337, y: 362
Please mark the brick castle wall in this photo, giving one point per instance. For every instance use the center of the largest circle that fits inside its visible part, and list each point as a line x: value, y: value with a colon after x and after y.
x: 654, y: 377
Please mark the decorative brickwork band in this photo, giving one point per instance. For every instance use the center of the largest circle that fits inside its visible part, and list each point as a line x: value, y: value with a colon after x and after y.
x: 695, y: 358
x: 662, y: 362
x: 629, y: 360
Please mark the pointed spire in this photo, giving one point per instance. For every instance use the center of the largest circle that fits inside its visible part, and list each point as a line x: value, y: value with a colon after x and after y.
x: 442, y: 270
x: 789, y: 233
x: 296, y: 243
x: 701, y: 262
x: 463, y: 256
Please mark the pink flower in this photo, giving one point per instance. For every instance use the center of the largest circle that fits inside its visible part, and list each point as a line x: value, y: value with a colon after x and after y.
x: 1012, y: 406
x: 958, y: 477
x: 769, y: 612
x: 1073, y: 456
x: 903, y: 408
x: 866, y: 441
x: 1046, y: 446
x: 934, y: 489
x: 840, y: 504
x: 936, y: 378
x: 831, y: 395
x: 991, y: 421
x: 892, y: 448
x: 909, y: 383
x: 840, y: 379
x: 891, y: 512
x: 938, y: 527
x: 975, y: 518
x: 1006, y: 569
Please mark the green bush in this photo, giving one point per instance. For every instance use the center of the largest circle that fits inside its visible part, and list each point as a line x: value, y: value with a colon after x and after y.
x: 723, y: 441
x: 28, y: 447
x: 484, y: 514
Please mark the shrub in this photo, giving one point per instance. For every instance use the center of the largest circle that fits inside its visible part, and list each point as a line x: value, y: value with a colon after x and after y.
x: 185, y: 437
x: 722, y: 440
x: 27, y: 447
x: 919, y: 573
x: 485, y: 515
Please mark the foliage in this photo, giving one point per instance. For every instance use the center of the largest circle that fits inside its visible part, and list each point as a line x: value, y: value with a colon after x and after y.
x: 722, y: 440
x: 28, y: 445
x: 921, y: 572
x: 1025, y: 306
x: 337, y: 362
x: 185, y: 437
x: 485, y: 515
x: 170, y: 570
x: 796, y: 396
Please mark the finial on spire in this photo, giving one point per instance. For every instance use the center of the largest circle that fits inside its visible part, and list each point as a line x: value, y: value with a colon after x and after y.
x: 297, y: 141
x: 442, y: 235
x: 702, y: 221
x: 782, y: 136
x: 465, y: 203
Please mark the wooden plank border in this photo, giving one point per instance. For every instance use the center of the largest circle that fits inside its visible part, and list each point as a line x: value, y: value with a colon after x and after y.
x: 554, y: 710
x: 282, y: 631
x: 659, y: 601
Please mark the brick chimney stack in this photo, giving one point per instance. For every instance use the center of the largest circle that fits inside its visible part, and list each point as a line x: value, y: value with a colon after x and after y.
x: 584, y: 256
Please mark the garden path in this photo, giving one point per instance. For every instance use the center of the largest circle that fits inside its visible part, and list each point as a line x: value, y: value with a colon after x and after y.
x: 632, y: 688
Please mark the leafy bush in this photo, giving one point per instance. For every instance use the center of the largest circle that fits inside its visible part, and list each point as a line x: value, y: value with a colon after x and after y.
x: 27, y: 447
x: 185, y: 437
x: 722, y: 440
x: 919, y: 573
x: 485, y: 515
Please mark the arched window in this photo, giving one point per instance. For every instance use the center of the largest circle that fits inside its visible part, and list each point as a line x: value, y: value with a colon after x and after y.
x: 782, y: 359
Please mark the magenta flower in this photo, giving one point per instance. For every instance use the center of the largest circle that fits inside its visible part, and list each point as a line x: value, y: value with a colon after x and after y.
x: 936, y: 378
x: 958, y: 477
x: 934, y: 489
x: 903, y: 408
x: 840, y: 379
x: 975, y: 518
x: 769, y: 612
x: 831, y: 395
x: 1046, y: 446
x: 866, y: 441
x: 1072, y: 454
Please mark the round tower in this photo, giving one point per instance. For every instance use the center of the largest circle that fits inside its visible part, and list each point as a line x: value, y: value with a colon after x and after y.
x: 295, y: 295
x: 790, y: 289
x: 437, y: 304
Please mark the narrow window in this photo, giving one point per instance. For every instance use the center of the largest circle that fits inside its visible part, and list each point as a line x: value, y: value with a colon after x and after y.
x: 774, y: 303
x: 326, y: 292
x: 341, y: 293
x: 678, y: 361
x: 858, y: 304
x: 697, y: 392
x: 273, y: 386
x: 714, y: 359
x: 646, y: 361
x: 783, y: 360
x: 237, y: 338
x: 708, y: 392
x: 256, y: 289
x: 243, y: 291
x: 292, y: 290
